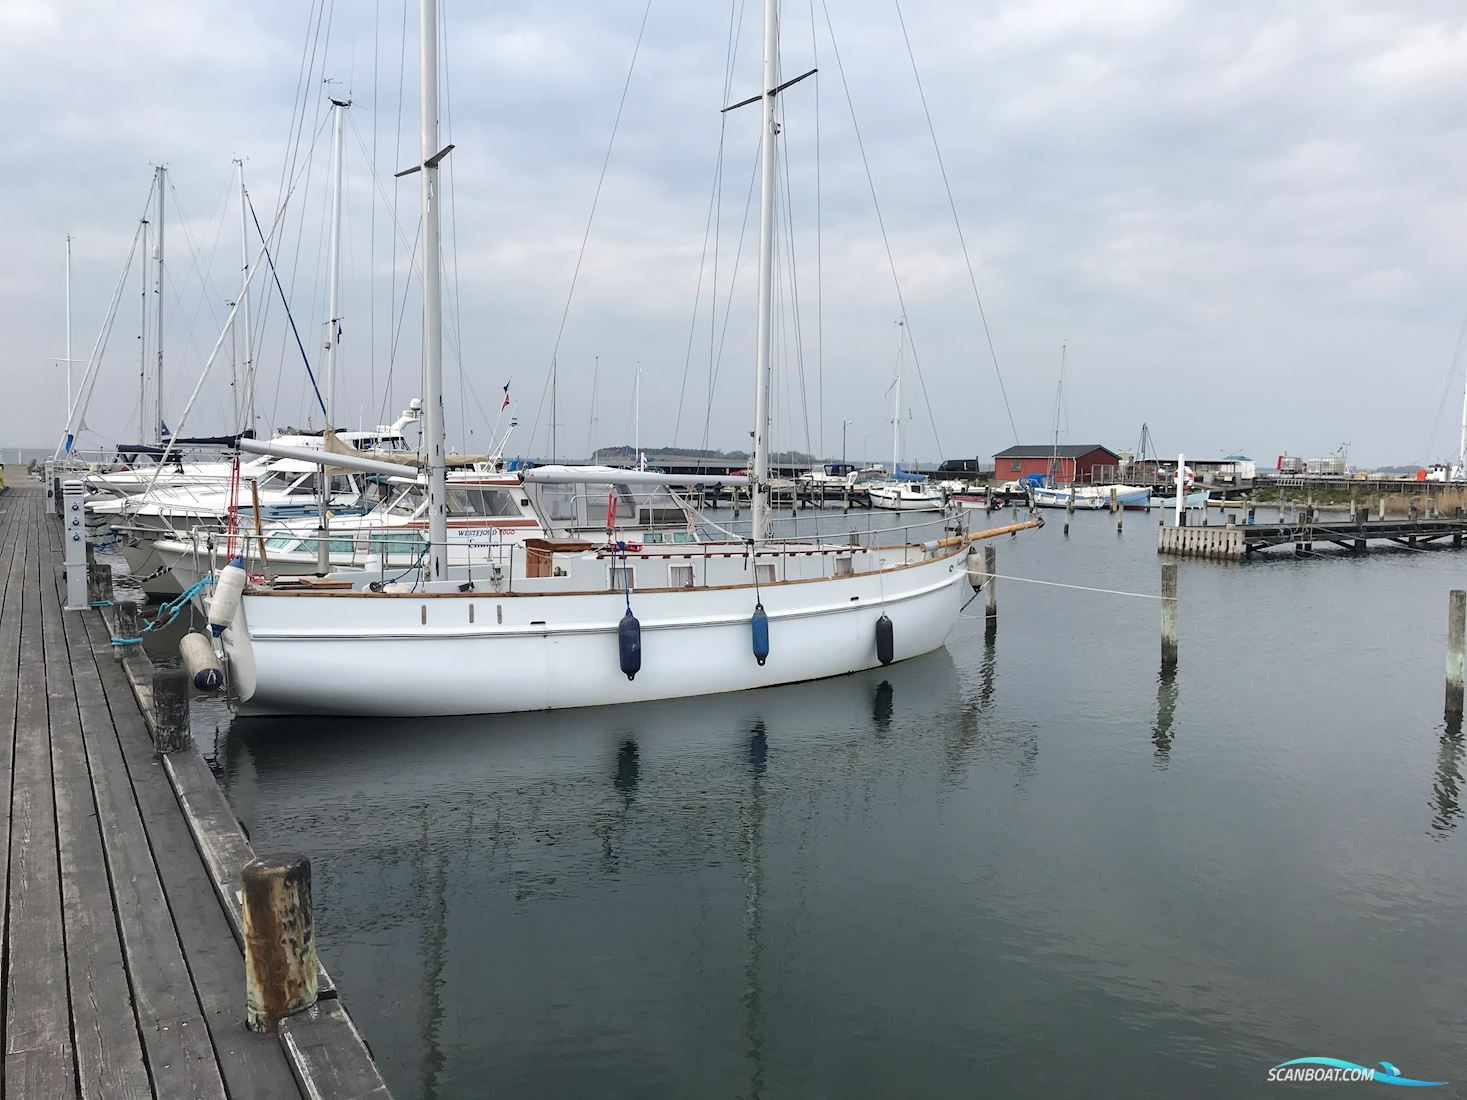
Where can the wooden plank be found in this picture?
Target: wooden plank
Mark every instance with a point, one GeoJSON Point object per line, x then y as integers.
{"type": "Point", "coordinates": [10, 562]}
{"type": "Point", "coordinates": [330, 1055]}
{"type": "Point", "coordinates": [253, 1066]}
{"type": "Point", "coordinates": [38, 1049]}
{"type": "Point", "coordinates": [109, 1054]}
{"type": "Point", "coordinates": [176, 1043]}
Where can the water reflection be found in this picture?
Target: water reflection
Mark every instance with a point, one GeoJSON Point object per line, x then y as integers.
{"type": "Point", "coordinates": [752, 857]}
{"type": "Point", "coordinates": [1446, 791]}
{"type": "Point", "coordinates": [1166, 707]}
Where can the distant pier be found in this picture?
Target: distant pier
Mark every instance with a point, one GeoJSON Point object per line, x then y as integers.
{"type": "Point", "coordinates": [1238, 541]}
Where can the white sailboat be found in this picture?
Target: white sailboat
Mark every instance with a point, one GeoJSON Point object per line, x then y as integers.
{"type": "Point", "coordinates": [903, 492]}
{"type": "Point", "coordinates": [584, 624]}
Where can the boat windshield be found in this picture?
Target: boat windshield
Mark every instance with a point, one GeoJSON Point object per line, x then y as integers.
{"type": "Point", "coordinates": [475, 500]}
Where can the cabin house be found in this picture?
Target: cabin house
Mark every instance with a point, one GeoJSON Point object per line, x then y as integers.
{"type": "Point", "coordinates": [1069, 463]}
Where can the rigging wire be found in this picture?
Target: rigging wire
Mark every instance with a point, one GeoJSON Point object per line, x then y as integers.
{"type": "Point", "coordinates": [715, 213]}
{"type": "Point", "coordinates": [957, 224]}
{"type": "Point", "coordinates": [716, 361]}
{"type": "Point", "coordinates": [372, 212]}
{"type": "Point", "coordinates": [819, 246]}
{"type": "Point", "coordinates": [590, 218]}
{"type": "Point", "coordinates": [1453, 367]}
{"type": "Point", "coordinates": [456, 303]}
{"type": "Point", "coordinates": [396, 194]}
{"type": "Point", "coordinates": [880, 221]}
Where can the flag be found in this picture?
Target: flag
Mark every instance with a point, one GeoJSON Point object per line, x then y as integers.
{"type": "Point", "coordinates": [506, 398]}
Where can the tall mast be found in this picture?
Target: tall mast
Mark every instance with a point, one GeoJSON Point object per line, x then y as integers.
{"type": "Point", "coordinates": [155, 387]}
{"type": "Point", "coordinates": [68, 327]}
{"type": "Point", "coordinates": [143, 343]}
{"type": "Point", "coordinates": [248, 404]}
{"type": "Point", "coordinates": [432, 294]}
{"type": "Point", "coordinates": [333, 320]}
{"type": "Point", "coordinates": [896, 416]}
{"type": "Point", "coordinates": [1462, 449]}
{"type": "Point", "coordinates": [759, 490]}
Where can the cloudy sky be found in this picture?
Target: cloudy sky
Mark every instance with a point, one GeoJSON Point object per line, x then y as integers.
{"type": "Point", "coordinates": [1246, 220]}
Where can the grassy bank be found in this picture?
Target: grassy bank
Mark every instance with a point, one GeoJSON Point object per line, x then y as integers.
{"type": "Point", "coordinates": [1444, 499]}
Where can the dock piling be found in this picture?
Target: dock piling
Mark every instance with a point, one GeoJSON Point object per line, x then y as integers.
{"type": "Point", "coordinates": [171, 731]}
{"type": "Point", "coordinates": [990, 566]}
{"type": "Point", "coordinates": [1456, 637]}
{"type": "Point", "coordinates": [128, 619]}
{"type": "Point", "coordinates": [99, 584]}
{"type": "Point", "coordinates": [279, 940]}
{"type": "Point", "coordinates": [1168, 615]}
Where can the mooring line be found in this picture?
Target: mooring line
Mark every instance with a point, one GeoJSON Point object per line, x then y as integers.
{"type": "Point", "coordinates": [1076, 587]}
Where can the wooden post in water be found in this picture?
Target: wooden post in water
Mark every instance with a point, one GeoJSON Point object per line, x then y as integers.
{"type": "Point", "coordinates": [1169, 615]}
{"type": "Point", "coordinates": [1381, 513]}
{"type": "Point", "coordinates": [128, 621]}
{"type": "Point", "coordinates": [171, 732]}
{"type": "Point", "coordinates": [1456, 638]}
{"type": "Point", "coordinates": [1069, 511]}
{"type": "Point", "coordinates": [1116, 509]}
{"type": "Point", "coordinates": [99, 584]}
{"type": "Point", "coordinates": [990, 566]}
{"type": "Point", "coordinates": [279, 940]}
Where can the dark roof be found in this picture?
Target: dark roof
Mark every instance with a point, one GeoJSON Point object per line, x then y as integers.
{"type": "Point", "coordinates": [1044, 450]}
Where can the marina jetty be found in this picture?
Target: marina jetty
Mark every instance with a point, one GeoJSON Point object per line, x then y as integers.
{"type": "Point", "coordinates": [1356, 533]}
{"type": "Point", "coordinates": [135, 906]}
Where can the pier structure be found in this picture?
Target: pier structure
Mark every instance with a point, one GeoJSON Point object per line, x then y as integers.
{"type": "Point", "coordinates": [120, 874]}
{"type": "Point", "coordinates": [1236, 542]}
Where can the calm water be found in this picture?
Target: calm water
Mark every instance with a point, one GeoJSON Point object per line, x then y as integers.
{"type": "Point", "coordinates": [1022, 865]}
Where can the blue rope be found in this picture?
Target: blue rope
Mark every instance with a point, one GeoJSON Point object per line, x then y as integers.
{"type": "Point", "coordinates": [626, 571]}
{"type": "Point", "coordinates": [171, 609]}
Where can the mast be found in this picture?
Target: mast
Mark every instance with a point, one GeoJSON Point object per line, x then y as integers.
{"type": "Point", "coordinates": [432, 294]}
{"type": "Point", "coordinates": [637, 419]}
{"type": "Point", "coordinates": [896, 416]}
{"type": "Point", "coordinates": [248, 405]}
{"type": "Point", "coordinates": [154, 430]}
{"type": "Point", "coordinates": [68, 327]}
{"type": "Point", "coordinates": [1462, 449]}
{"type": "Point", "coordinates": [762, 526]}
{"type": "Point", "coordinates": [333, 321]}
{"type": "Point", "coordinates": [143, 341]}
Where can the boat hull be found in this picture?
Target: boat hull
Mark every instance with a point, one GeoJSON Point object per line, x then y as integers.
{"type": "Point", "coordinates": [407, 654]}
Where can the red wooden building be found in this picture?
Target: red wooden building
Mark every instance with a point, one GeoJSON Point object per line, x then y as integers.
{"type": "Point", "coordinates": [1069, 463]}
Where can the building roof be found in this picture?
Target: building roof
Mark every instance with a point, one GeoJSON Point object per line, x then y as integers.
{"type": "Point", "coordinates": [1236, 458]}
{"type": "Point", "coordinates": [1044, 450]}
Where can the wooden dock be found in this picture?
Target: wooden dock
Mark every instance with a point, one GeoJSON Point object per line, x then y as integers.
{"type": "Point", "coordinates": [124, 975]}
{"type": "Point", "coordinates": [1237, 541]}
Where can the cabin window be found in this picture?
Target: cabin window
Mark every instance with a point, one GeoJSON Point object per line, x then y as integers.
{"type": "Point", "coordinates": [398, 544]}
{"type": "Point", "coordinates": [622, 577]}
{"type": "Point", "coordinates": [559, 502]}
{"type": "Point", "coordinates": [844, 567]}
{"type": "Point", "coordinates": [764, 574]}
{"type": "Point", "coordinates": [280, 542]}
{"type": "Point", "coordinates": [474, 501]}
{"type": "Point", "coordinates": [306, 486]}
{"type": "Point", "coordinates": [680, 576]}
{"type": "Point", "coordinates": [336, 546]}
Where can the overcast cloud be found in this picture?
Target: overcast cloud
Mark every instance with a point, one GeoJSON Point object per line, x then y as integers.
{"type": "Point", "coordinates": [1246, 219]}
